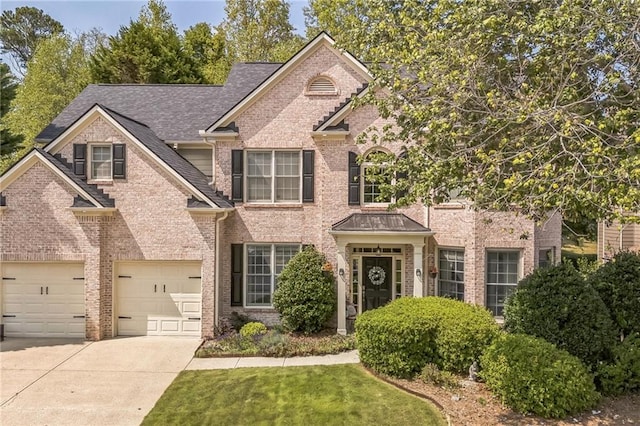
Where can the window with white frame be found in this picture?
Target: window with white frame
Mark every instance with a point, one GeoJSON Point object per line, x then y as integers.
{"type": "Point", "coordinates": [274, 176]}
{"type": "Point", "coordinates": [502, 278]}
{"type": "Point", "coordinates": [373, 179]}
{"type": "Point", "coordinates": [546, 258]}
{"type": "Point", "coordinates": [451, 274]}
{"type": "Point", "coordinates": [264, 264]}
{"type": "Point", "coordinates": [101, 162]}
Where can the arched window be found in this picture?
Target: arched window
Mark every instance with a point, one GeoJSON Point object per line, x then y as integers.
{"type": "Point", "coordinates": [321, 85]}
{"type": "Point", "coordinates": [373, 177]}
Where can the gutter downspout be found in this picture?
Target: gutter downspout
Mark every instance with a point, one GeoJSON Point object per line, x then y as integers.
{"type": "Point", "coordinates": [216, 301]}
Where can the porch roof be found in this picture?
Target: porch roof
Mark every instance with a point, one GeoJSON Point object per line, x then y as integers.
{"type": "Point", "coordinates": [367, 223]}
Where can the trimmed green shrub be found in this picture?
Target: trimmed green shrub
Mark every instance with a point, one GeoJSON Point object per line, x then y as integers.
{"type": "Point", "coordinates": [618, 283]}
{"type": "Point", "coordinates": [251, 329]}
{"type": "Point", "coordinates": [557, 304]}
{"type": "Point", "coordinates": [400, 338]}
{"type": "Point", "coordinates": [305, 297]}
{"type": "Point", "coordinates": [623, 374]}
{"type": "Point", "coordinates": [531, 375]}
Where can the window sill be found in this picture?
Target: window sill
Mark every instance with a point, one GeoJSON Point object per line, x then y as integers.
{"type": "Point", "coordinates": [449, 206]}
{"type": "Point", "coordinates": [273, 205]}
{"type": "Point", "coordinates": [375, 207]}
{"type": "Point", "coordinates": [108, 182]}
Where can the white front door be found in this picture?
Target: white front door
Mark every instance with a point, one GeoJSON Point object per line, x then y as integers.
{"type": "Point", "coordinates": [43, 300]}
{"type": "Point", "coordinates": [158, 298]}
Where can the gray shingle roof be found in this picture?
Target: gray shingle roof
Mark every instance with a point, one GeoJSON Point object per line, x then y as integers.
{"type": "Point", "coordinates": [65, 168]}
{"type": "Point", "coordinates": [175, 112]}
{"type": "Point", "coordinates": [378, 222]}
{"type": "Point", "coordinates": [170, 157]}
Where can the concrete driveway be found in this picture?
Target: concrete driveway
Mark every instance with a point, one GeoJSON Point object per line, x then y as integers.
{"type": "Point", "coordinates": [71, 382]}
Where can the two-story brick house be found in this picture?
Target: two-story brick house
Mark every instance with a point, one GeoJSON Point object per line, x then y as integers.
{"type": "Point", "coordinates": [158, 209]}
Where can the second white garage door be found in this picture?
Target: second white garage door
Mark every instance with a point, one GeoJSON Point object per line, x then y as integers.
{"type": "Point", "coordinates": [158, 298]}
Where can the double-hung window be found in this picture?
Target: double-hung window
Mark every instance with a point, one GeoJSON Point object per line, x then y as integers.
{"type": "Point", "coordinates": [274, 176]}
{"type": "Point", "coordinates": [101, 162]}
{"type": "Point", "coordinates": [502, 278]}
{"type": "Point", "coordinates": [451, 275]}
{"type": "Point", "coordinates": [374, 178]}
{"type": "Point", "coordinates": [264, 263]}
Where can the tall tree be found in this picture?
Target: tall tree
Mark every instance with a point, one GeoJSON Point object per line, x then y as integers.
{"type": "Point", "coordinates": [56, 73]}
{"type": "Point", "coordinates": [341, 19]}
{"type": "Point", "coordinates": [209, 52]}
{"type": "Point", "coordinates": [534, 105]}
{"type": "Point", "coordinates": [259, 30]}
{"type": "Point", "coordinates": [8, 141]}
{"type": "Point", "coordinates": [149, 50]}
{"type": "Point", "coordinates": [22, 30]}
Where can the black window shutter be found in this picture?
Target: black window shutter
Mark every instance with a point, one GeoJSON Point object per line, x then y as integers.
{"type": "Point", "coordinates": [354, 179]}
{"type": "Point", "coordinates": [307, 176]}
{"type": "Point", "coordinates": [80, 159]}
{"type": "Point", "coordinates": [237, 257]}
{"type": "Point", "coordinates": [237, 169]}
{"type": "Point", "coordinates": [401, 176]}
{"type": "Point", "coordinates": [119, 161]}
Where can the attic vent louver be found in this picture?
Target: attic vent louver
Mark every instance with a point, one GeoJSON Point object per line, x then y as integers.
{"type": "Point", "coordinates": [322, 86]}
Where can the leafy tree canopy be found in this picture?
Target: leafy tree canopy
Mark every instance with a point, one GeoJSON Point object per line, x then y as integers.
{"type": "Point", "coordinates": [209, 52]}
{"type": "Point", "coordinates": [56, 73]}
{"type": "Point", "coordinates": [8, 86]}
{"type": "Point", "coordinates": [149, 50]}
{"type": "Point", "coordinates": [259, 30]}
{"type": "Point", "coordinates": [532, 105]}
{"type": "Point", "coordinates": [22, 30]}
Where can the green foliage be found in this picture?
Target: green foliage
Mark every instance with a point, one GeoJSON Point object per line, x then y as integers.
{"type": "Point", "coordinates": [149, 50]}
{"type": "Point", "coordinates": [401, 337]}
{"type": "Point", "coordinates": [540, 98]}
{"type": "Point", "coordinates": [618, 283]}
{"type": "Point", "coordinates": [305, 296]}
{"type": "Point", "coordinates": [22, 30]}
{"type": "Point", "coordinates": [8, 85]}
{"type": "Point", "coordinates": [623, 374]}
{"type": "Point", "coordinates": [340, 19]}
{"type": "Point", "coordinates": [208, 52]}
{"type": "Point", "coordinates": [239, 320]}
{"type": "Point", "coordinates": [56, 74]}
{"type": "Point", "coordinates": [251, 329]}
{"type": "Point", "coordinates": [431, 374]}
{"type": "Point", "coordinates": [531, 375]}
{"type": "Point", "coordinates": [557, 305]}
{"type": "Point", "coordinates": [259, 30]}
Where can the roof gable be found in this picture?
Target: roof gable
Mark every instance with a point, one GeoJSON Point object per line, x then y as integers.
{"type": "Point", "coordinates": [323, 39]}
{"type": "Point", "coordinates": [90, 194]}
{"type": "Point", "coordinates": [140, 134]}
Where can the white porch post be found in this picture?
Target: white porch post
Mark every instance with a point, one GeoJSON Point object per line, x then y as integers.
{"type": "Point", "coordinates": [342, 290]}
{"type": "Point", "coordinates": [418, 287]}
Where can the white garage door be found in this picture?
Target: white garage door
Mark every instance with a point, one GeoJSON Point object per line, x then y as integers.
{"type": "Point", "coordinates": [158, 298]}
{"type": "Point", "coordinates": [43, 299]}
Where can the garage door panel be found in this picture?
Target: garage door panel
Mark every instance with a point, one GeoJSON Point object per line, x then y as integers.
{"type": "Point", "coordinates": [153, 294]}
{"type": "Point", "coordinates": [43, 299]}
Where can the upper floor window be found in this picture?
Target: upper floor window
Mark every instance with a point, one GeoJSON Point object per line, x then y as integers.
{"type": "Point", "coordinates": [275, 176]}
{"type": "Point", "coordinates": [321, 86]}
{"type": "Point", "coordinates": [101, 162]}
{"type": "Point", "coordinates": [374, 179]}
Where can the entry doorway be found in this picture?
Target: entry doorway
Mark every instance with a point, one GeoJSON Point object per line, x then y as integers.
{"type": "Point", "coordinates": [377, 281]}
{"type": "Point", "coordinates": [376, 276]}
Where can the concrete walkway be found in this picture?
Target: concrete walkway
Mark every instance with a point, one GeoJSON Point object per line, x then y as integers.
{"type": "Point", "coordinates": [350, 357]}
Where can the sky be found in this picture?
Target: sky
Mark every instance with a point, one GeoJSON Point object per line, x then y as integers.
{"type": "Point", "coordinates": [82, 15]}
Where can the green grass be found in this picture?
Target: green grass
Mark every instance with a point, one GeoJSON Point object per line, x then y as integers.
{"type": "Point", "coordinates": [317, 395]}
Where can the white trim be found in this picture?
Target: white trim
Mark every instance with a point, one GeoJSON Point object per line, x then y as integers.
{"type": "Point", "coordinates": [56, 145]}
{"type": "Point", "coordinates": [342, 113]}
{"type": "Point", "coordinates": [320, 40]}
{"type": "Point", "coordinates": [91, 146]}
{"type": "Point", "coordinates": [245, 177]}
{"type": "Point", "coordinates": [28, 161]}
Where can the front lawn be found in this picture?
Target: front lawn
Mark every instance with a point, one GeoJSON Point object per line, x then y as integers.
{"type": "Point", "coordinates": [317, 395]}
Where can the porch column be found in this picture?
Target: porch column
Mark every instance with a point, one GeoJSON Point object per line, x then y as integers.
{"type": "Point", "coordinates": [342, 290]}
{"type": "Point", "coordinates": [418, 288]}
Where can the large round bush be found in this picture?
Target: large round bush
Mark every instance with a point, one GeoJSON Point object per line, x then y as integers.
{"type": "Point", "coordinates": [557, 304]}
{"type": "Point", "coordinates": [305, 297]}
{"type": "Point", "coordinates": [622, 375]}
{"type": "Point", "coordinates": [400, 338]}
{"type": "Point", "coordinates": [531, 375]}
{"type": "Point", "coordinates": [618, 283]}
